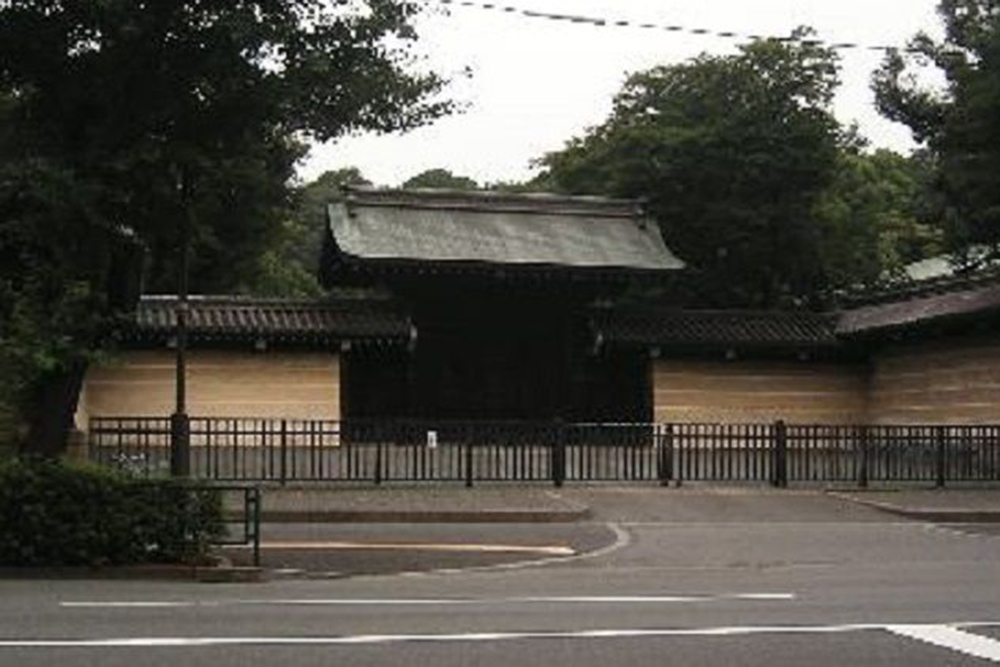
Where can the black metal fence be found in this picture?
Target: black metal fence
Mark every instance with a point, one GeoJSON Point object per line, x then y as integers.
{"type": "Point", "coordinates": [287, 450]}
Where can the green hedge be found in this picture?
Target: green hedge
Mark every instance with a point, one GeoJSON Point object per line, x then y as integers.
{"type": "Point", "coordinates": [54, 513]}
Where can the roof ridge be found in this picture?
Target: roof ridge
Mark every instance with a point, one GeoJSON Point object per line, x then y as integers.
{"type": "Point", "coordinates": [949, 284]}
{"type": "Point", "coordinates": [737, 312]}
{"type": "Point", "coordinates": [361, 192]}
{"type": "Point", "coordinates": [258, 302]}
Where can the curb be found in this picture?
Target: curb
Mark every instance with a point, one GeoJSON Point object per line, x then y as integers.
{"type": "Point", "coordinates": [201, 574]}
{"type": "Point", "coordinates": [928, 514]}
{"type": "Point", "coordinates": [419, 516]}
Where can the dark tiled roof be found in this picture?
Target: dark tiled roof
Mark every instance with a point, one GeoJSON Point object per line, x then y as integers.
{"type": "Point", "coordinates": [919, 310]}
{"type": "Point", "coordinates": [716, 328]}
{"type": "Point", "coordinates": [228, 317]}
{"type": "Point", "coordinates": [524, 230]}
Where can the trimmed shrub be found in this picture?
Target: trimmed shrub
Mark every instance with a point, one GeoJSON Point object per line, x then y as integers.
{"type": "Point", "coordinates": [54, 513]}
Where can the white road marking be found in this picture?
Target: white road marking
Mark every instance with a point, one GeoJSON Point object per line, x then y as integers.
{"type": "Point", "coordinates": [402, 546]}
{"type": "Point", "coordinates": [137, 604]}
{"type": "Point", "coordinates": [622, 540]}
{"type": "Point", "coordinates": [950, 637]}
{"type": "Point", "coordinates": [573, 599]}
{"type": "Point", "coordinates": [917, 631]}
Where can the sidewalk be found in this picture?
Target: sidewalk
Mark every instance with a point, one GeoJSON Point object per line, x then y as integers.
{"type": "Point", "coordinates": [414, 504]}
{"type": "Point", "coordinates": [544, 504]}
{"type": "Point", "coordinates": [933, 505]}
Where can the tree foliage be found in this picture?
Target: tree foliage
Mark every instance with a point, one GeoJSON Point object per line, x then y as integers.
{"type": "Point", "coordinates": [959, 124]}
{"type": "Point", "coordinates": [440, 179]}
{"type": "Point", "coordinates": [120, 119]}
{"type": "Point", "coordinates": [290, 267]}
{"type": "Point", "coordinates": [731, 153]}
{"type": "Point", "coordinates": [875, 218]}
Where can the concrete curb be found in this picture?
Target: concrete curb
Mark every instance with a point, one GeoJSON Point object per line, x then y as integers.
{"type": "Point", "coordinates": [419, 516]}
{"type": "Point", "coordinates": [928, 514]}
{"type": "Point", "coordinates": [206, 574]}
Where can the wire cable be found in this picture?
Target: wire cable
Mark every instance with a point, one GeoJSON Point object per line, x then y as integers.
{"type": "Point", "coordinates": [604, 22]}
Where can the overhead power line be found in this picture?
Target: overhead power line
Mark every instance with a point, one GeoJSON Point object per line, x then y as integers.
{"type": "Point", "coordinates": [621, 23]}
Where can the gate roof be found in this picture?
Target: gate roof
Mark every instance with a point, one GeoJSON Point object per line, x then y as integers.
{"type": "Point", "coordinates": [450, 228]}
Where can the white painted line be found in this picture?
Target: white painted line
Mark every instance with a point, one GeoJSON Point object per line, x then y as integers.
{"type": "Point", "coordinates": [622, 540]}
{"type": "Point", "coordinates": [396, 546]}
{"type": "Point", "coordinates": [129, 604]}
{"type": "Point", "coordinates": [950, 637]}
{"type": "Point", "coordinates": [762, 596]}
{"type": "Point", "coordinates": [141, 604]}
{"type": "Point", "coordinates": [726, 631]}
{"type": "Point", "coordinates": [574, 599]}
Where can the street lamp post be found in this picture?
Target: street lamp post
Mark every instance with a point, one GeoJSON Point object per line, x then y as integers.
{"type": "Point", "coordinates": [180, 424]}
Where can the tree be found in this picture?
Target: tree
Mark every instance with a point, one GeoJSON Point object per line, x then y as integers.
{"type": "Point", "coordinates": [290, 267]}
{"type": "Point", "coordinates": [731, 153]}
{"type": "Point", "coordinates": [122, 120]}
{"type": "Point", "coordinates": [875, 218]}
{"type": "Point", "coordinates": [960, 125]}
{"type": "Point", "coordinates": [441, 179]}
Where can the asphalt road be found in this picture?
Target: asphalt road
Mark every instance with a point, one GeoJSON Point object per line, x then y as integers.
{"type": "Point", "coordinates": [693, 579]}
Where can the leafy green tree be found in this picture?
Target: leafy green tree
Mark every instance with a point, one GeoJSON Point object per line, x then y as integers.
{"type": "Point", "coordinates": [441, 179]}
{"type": "Point", "coordinates": [290, 267]}
{"type": "Point", "coordinates": [731, 153]}
{"type": "Point", "coordinates": [122, 120]}
{"type": "Point", "coordinates": [959, 124]}
{"type": "Point", "coordinates": [875, 218]}
{"type": "Point", "coordinates": [530, 185]}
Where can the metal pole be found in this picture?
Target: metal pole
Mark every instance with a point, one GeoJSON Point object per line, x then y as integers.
{"type": "Point", "coordinates": [667, 455]}
{"type": "Point", "coordinates": [780, 454]}
{"type": "Point", "coordinates": [180, 425]}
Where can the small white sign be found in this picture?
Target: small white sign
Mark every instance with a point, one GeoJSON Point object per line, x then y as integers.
{"type": "Point", "coordinates": [432, 439]}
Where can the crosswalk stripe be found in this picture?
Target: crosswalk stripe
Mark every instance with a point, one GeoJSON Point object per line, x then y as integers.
{"type": "Point", "coordinates": [950, 637]}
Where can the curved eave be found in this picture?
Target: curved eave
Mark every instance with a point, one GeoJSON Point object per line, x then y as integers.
{"type": "Point", "coordinates": [504, 271]}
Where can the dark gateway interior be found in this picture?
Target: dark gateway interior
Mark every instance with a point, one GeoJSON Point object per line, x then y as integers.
{"type": "Point", "coordinates": [499, 290]}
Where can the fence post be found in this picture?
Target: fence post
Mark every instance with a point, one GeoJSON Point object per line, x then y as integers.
{"type": "Point", "coordinates": [378, 461]}
{"type": "Point", "coordinates": [863, 452]}
{"type": "Point", "coordinates": [680, 446]}
{"type": "Point", "coordinates": [942, 456]}
{"type": "Point", "coordinates": [468, 463]}
{"type": "Point", "coordinates": [666, 455]}
{"type": "Point", "coordinates": [780, 455]}
{"type": "Point", "coordinates": [558, 457]}
{"type": "Point", "coordinates": [284, 451]}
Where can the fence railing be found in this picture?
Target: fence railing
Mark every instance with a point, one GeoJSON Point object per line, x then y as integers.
{"type": "Point", "coordinates": [288, 450]}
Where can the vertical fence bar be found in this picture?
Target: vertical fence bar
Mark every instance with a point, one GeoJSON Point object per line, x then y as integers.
{"type": "Point", "coordinates": [941, 458]}
{"type": "Point", "coordinates": [862, 443]}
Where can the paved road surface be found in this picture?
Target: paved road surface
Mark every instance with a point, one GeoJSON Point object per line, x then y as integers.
{"type": "Point", "coordinates": [710, 578]}
{"type": "Point", "coordinates": [335, 550]}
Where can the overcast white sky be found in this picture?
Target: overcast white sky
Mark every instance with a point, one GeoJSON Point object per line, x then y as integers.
{"type": "Point", "coordinates": [537, 83]}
